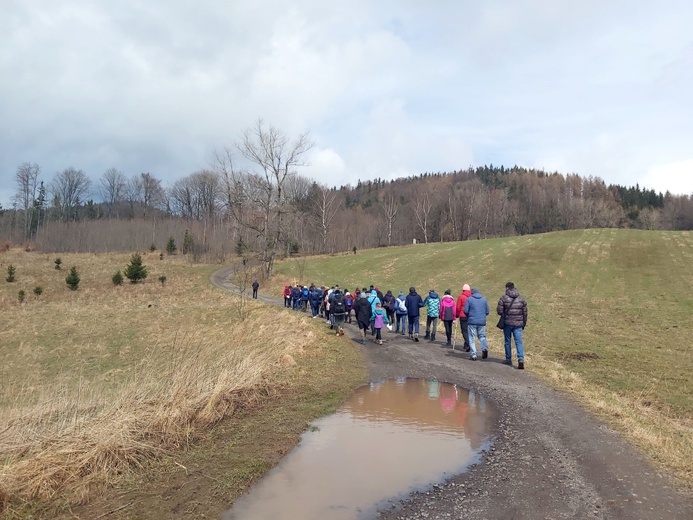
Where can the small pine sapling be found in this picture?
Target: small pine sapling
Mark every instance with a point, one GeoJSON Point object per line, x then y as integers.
{"type": "Point", "coordinates": [152, 248]}
{"type": "Point", "coordinates": [11, 270]}
{"type": "Point", "coordinates": [162, 279]}
{"type": "Point", "coordinates": [72, 279]}
{"type": "Point", "coordinates": [38, 291]}
{"type": "Point", "coordinates": [161, 256]}
{"type": "Point", "coordinates": [135, 271]}
{"type": "Point", "coordinates": [117, 278]}
{"type": "Point", "coordinates": [57, 262]}
{"type": "Point", "coordinates": [188, 243]}
{"type": "Point", "coordinates": [171, 246]}
{"type": "Point", "coordinates": [20, 296]}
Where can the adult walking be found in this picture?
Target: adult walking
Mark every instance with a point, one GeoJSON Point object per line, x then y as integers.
{"type": "Point", "coordinates": [512, 307]}
{"type": "Point", "coordinates": [256, 286]}
{"type": "Point", "coordinates": [476, 309]}
{"type": "Point", "coordinates": [401, 313]}
{"type": "Point", "coordinates": [413, 303]}
{"type": "Point", "coordinates": [432, 304]}
{"type": "Point", "coordinates": [447, 314]}
{"type": "Point", "coordinates": [389, 305]}
{"type": "Point", "coordinates": [362, 310]}
{"type": "Point", "coordinates": [459, 310]}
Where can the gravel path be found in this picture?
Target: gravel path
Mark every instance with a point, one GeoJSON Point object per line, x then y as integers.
{"type": "Point", "coordinates": [550, 459]}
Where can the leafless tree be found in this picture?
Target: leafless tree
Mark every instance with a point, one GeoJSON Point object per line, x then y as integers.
{"type": "Point", "coordinates": [323, 211]}
{"type": "Point", "coordinates": [27, 186]}
{"type": "Point", "coordinates": [276, 158]}
{"type": "Point", "coordinates": [112, 186]}
{"type": "Point", "coordinates": [153, 194]}
{"type": "Point", "coordinates": [133, 192]}
{"type": "Point", "coordinates": [69, 187]}
{"type": "Point", "coordinates": [390, 207]}
{"type": "Point", "coordinates": [422, 209]}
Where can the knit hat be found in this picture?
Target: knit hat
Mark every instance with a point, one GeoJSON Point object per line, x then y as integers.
{"type": "Point", "coordinates": [466, 287]}
{"type": "Point", "coordinates": [448, 291]}
{"type": "Point", "coordinates": [400, 295]}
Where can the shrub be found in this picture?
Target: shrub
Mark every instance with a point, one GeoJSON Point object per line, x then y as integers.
{"type": "Point", "coordinates": [162, 279]}
{"type": "Point", "coordinates": [188, 243]}
{"type": "Point", "coordinates": [72, 279]}
{"type": "Point", "coordinates": [10, 273]}
{"type": "Point", "coordinates": [20, 296]}
{"type": "Point", "coordinates": [161, 256]}
{"type": "Point", "coordinates": [152, 248]}
{"type": "Point", "coordinates": [57, 262]}
{"type": "Point", "coordinates": [117, 278]}
{"type": "Point", "coordinates": [135, 271]}
{"type": "Point", "coordinates": [38, 291]}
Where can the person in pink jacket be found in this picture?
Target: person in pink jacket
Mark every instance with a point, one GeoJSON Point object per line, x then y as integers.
{"type": "Point", "coordinates": [448, 314]}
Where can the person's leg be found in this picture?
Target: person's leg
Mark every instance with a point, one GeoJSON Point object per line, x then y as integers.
{"type": "Point", "coordinates": [482, 340]}
{"type": "Point", "coordinates": [517, 333]}
{"type": "Point", "coordinates": [434, 326]}
{"type": "Point", "coordinates": [465, 333]}
{"type": "Point", "coordinates": [472, 340]}
{"type": "Point", "coordinates": [378, 336]}
{"type": "Point", "coordinates": [428, 327]}
{"type": "Point", "coordinates": [507, 330]}
{"type": "Point", "coordinates": [448, 330]}
{"type": "Point", "coordinates": [410, 320]}
{"type": "Point", "coordinates": [415, 319]}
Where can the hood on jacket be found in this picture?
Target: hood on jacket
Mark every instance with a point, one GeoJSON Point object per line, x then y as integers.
{"type": "Point", "coordinates": [476, 293]}
{"type": "Point", "coordinates": [412, 290]}
{"type": "Point", "coordinates": [448, 297]}
{"type": "Point", "coordinates": [388, 293]}
{"type": "Point", "coordinates": [512, 293]}
{"type": "Point", "coordinates": [401, 295]}
{"type": "Point", "coordinates": [374, 293]}
{"type": "Point", "coordinates": [433, 294]}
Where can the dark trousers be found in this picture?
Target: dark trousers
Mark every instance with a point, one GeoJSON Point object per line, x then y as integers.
{"type": "Point", "coordinates": [464, 328]}
{"type": "Point", "coordinates": [448, 329]}
{"type": "Point", "coordinates": [255, 293]}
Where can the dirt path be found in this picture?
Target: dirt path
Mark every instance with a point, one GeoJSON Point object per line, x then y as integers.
{"type": "Point", "coordinates": [550, 458]}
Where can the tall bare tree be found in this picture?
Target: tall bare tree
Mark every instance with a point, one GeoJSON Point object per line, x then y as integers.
{"type": "Point", "coordinates": [276, 158]}
{"type": "Point", "coordinates": [26, 177]}
{"type": "Point", "coordinates": [69, 187]}
{"type": "Point", "coordinates": [153, 194]}
{"type": "Point", "coordinates": [422, 209]}
{"type": "Point", "coordinates": [390, 208]}
{"type": "Point", "coordinates": [323, 211]}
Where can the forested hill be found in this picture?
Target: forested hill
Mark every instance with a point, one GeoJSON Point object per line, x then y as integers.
{"type": "Point", "coordinates": [227, 211]}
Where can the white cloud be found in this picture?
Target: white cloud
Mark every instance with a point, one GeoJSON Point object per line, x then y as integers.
{"type": "Point", "coordinates": [676, 177]}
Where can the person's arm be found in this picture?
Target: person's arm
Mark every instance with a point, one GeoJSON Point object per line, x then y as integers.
{"type": "Point", "coordinates": [501, 307]}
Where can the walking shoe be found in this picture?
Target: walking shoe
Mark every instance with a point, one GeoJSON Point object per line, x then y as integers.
{"type": "Point", "coordinates": [380, 342]}
{"type": "Point", "coordinates": [433, 337]}
{"type": "Point", "coordinates": [507, 362]}
{"type": "Point", "coordinates": [411, 337]}
{"type": "Point", "coordinates": [521, 365]}
{"type": "Point", "coordinates": [362, 341]}
{"type": "Point", "coordinates": [427, 335]}
{"type": "Point", "coordinates": [467, 349]}
{"type": "Point", "coordinates": [484, 354]}
{"type": "Point", "coordinates": [472, 357]}
{"type": "Point", "coordinates": [448, 344]}
{"type": "Point", "coordinates": [416, 338]}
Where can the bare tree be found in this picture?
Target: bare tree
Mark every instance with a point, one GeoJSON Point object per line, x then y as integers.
{"type": "Point", "coordinates": [27, 185]}
{"type": "Point", "coordinates": [390, 207]}
{"type": "Point", "coordinates": [69, 187]}
{"type": "Point", "coordinates": [323, 211]}
{"type": "Point", "coordinates": [153, 194]}
{"type": "Point", "coordinates": [277, 158]}
{"type": "Point", "coordinates": [422, 209]}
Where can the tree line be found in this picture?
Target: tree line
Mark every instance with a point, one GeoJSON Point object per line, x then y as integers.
{"type": "Point", "coordinates": [269, 210]}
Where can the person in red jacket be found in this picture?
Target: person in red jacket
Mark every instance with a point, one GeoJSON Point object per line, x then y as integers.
{"type": "Point", "coordinates": [459, 310]}
{"type": "Point", "coordinates": [287, 296]}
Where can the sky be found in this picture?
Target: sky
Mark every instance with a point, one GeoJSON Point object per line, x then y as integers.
{"type": "Point", "coordinates": [386, 89]}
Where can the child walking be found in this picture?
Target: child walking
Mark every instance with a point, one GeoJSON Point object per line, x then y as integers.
{"type": "Point", "coordinates": [379, 319]}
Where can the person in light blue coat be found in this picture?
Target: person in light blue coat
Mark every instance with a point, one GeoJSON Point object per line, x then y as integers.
{"type": "Point", "coordinates": [401, 313]}
{"type": "Point", "coordinates": [476, 309]}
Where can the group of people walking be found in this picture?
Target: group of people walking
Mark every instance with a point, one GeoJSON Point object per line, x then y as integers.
{"type": "Point", "coordinates": [373, 311]}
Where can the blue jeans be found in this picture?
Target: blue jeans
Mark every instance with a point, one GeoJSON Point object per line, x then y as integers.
{"type": "Point", "coordinates": [474, 332]}
{"type": "Point", "coordinates": [413, 324]}
{"type": "Point", "coordinates": [516, 332]}
{"type": "Point", "coordinates": [401, 323]}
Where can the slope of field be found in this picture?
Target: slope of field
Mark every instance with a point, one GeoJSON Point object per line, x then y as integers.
{"type": "Point", "coordinates": [609, 315]}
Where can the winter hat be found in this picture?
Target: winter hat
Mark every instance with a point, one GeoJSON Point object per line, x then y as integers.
{"type": "Point", "coordinates": [400, 295]}
{"type": "Point", "coordinates": [509, 285]}
{"type": "Point", "coordinates": [466, 287]}
{"type": "Point", "coordinates": [448, 292]}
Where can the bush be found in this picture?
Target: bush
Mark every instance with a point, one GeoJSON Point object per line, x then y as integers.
{"type": "Point", "coordinates": [72, 279]}
{"type": "Point", "coordinates": [20, 296]}
{"type": "Point", "coordinates": [135, 271]}
{"type": "Point", "coordinates": [117, 278]}
{"type": "Point", "coordinates": [10, 273]}
{"type": "Point", "coordinates": [38, 291]}
{"type": "Point", "coordinates": [161, 256]}
{"type": "Point", "coordinates": [162, 279]}
{"type": "Point", "coordinates": [188, 243]}
{"type": "Point", "coordinates": [57, 262]}
{"type": "Point", "coordinates": [152, 248]}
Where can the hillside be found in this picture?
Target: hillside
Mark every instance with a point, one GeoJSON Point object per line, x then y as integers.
{"type": "Point", "coordinates": [609, 310]}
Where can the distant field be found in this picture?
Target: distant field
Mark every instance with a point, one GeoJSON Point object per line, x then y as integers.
{"type": "Point", "coordinates": [610, 315]}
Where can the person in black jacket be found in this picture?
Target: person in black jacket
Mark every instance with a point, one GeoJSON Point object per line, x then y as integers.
{"type": "Point", "coordinates": [256, 286]}
{"type": "Point", "coordinates": [513, 308]}
{"type": "Point", "coordinates": [362, 309]}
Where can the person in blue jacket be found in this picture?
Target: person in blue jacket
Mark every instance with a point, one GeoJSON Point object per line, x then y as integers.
{"type": "Point", "coordinates": [413, 303]}
{"type": "Point", "coordinates": [401, 313]}
{"type": "Point", "coordinates": [476, 309]}
{"type": "Point", "coordinates": [305, 296]}
{"type": "Point", "coordinates": [315, 299]}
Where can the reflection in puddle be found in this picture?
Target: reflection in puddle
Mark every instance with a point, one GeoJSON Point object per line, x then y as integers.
{"type": "Point", "coordinates": [390, 438]}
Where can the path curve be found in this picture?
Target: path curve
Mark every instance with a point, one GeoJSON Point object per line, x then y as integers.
{"type": "Point", "coordinates": [550, 459]}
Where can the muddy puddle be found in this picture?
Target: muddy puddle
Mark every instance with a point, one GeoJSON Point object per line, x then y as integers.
{"type": "Point", "coordinates": [391, 438]}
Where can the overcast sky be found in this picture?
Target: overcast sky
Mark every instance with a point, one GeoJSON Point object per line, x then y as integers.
{"type": "Point", "coordinates": [386, 88]}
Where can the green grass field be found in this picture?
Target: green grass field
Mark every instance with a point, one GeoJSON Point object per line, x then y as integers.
{"type": "Point", "coordinates": [609, 310]}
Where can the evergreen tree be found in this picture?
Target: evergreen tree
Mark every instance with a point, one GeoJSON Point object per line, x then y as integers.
{"type": "Point", "coordinates": [162, 279]}
{"type": "Point", "coordinates": [20, 296]}
{"type": "Point", "coordinates": [117, 278]}
{"type": "Point", "coordinates": [188, 243]}
{"type": "Point", "coordinates": [135, 271]}
{"type": "Point", "coordinates": [57, 262]}
{"type": "Point", "coordinates": [171, 246]}
{"type": "Point", "coordinates": [10, 273]}
{"type": "Point", "coordinates": [72, 279]}
{"type": "Point", "coordinates": [38, 291]}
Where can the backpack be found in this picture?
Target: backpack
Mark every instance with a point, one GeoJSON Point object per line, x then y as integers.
{"type": "Point", "coordinates": [338, 305]}
{"type": "Point", "coordinates": [402, 306]}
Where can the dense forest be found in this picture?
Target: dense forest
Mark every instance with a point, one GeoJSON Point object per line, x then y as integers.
{"type": "Point", "coordinates": [272, 210]}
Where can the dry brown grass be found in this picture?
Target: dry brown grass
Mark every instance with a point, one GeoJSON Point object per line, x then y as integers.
{"type": "Point", "coordinates": [106, 378]}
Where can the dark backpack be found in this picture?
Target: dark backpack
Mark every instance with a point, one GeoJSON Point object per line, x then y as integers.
{"type": "Point", "coordinates": [338, 304]}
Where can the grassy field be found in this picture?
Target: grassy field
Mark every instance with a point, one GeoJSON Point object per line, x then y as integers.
{"type": "Point", "coordinates": [102, 380]}
{"type": "Point", "coordinates": [609, 316]}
